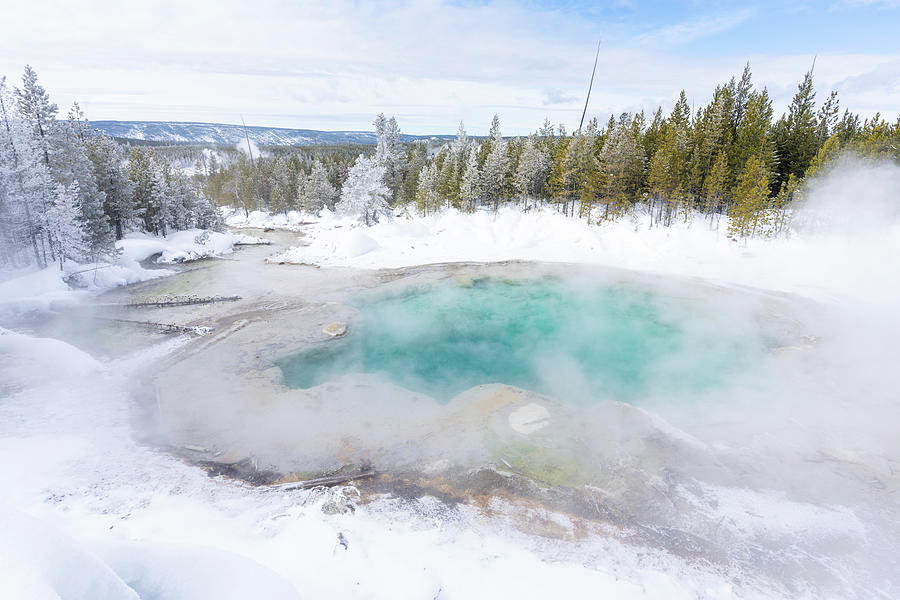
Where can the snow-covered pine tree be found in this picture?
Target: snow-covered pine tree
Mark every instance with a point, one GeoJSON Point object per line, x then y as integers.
{"type": "Point", "coordinates": [470, 185]}
{"type": "Point", "coordinates": [448, 181]}
{"type": "Point", "coordinates": [181, 202]}
{"type": "Point", "coordinates": [25, 187]}
{"type": "Point", "coordinates": [461, 143]}
{"type": "Point", "coordinates": [111, 175]}
{"type": "Point", "coordinates": [364, 193]}
{"type": "Point", "coordinates": [70, 164]}
{"type": "Point", "coordinates": [158, 210]}
{"type": "Point", "coordinates": [427, 199]}
{"type": "Point", "coordinates": [315, 191]}
{"type": "Point", "coordinates": [65, 226]}
{"type": "Point", "coordinates": [35, 107]}
{"type": "Point", "coordinates": [533, 166]}
{"type": "Point", "coordinates": [496, 165]}
{"type": "Point", "coordinates": [389, 154]}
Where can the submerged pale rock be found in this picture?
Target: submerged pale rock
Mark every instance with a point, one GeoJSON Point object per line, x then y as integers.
{"type": "Point", "coordinates": [335, 329]}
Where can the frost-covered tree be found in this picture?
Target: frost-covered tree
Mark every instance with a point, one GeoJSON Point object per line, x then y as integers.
{"type": "Point", "coordinates": [461, 143]}
{"type": "Point", "coordinates": [25, 187]}
{"type": "Point", "coordinates": [65, 226]}
{"type": "Point", "coordinates": [470, 185]}
{"type": "Point", "coordinates": [111, 174]}
{"type": "Point", "coordinates": [72, 165]}
{"type": "Point", "coordinates": [532, 171]}
{"type": "Point", "coordinates": [364, 193]}
{"type": "Point", "coordinates": [390, 155]}
{"type": "Point", "coordinates": [621, 165]}
{"type": "Point", "coordinates": [448, 180]}
{"type": "Point", "coordinates": [496, 165]}
{"type": "Point", "coordinates": [283, 192]}
{"type": "Point", "coordinates": [315, 191]}
{"type": "Point", "coordinates": [35, 107]}
{"type": "Point", "coordinates": [427, 198]}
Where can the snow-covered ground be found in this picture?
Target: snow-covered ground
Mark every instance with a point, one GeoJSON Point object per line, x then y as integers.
{"type": "Point", "coordinates": [834, 251]}
{"type": "Point", "coordinates": [88, 513]}
{"type": "Point", "coordinates": [47, 288]}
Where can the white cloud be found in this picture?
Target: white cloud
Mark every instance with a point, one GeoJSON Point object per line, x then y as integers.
{"type": "Point", "coordinates": [334, 65]}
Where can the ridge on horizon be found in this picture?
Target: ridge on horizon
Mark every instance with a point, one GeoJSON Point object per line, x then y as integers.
{"type": "Point", "coordinates": [226, 133]}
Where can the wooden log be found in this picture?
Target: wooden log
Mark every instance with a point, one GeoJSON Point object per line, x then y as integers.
{"type": "Point", "coordinates": [321, 481]}
{"type": "Point", "coordinates": [164, 327]}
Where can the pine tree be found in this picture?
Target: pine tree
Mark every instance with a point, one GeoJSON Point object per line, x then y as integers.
{"type": "Point", "coordinates": [448, 181]}
{"type": "Point", "coordinates": [749, 213]}
{"type": "Point", "coordinates": [65, 226]}
{"type": "Point", "coordinates": [25, 185]}
{"type": "Point", "coordinates": [390, 155]}
{"type": "Point", "coordinates": [715, 187]}
{"type": "Point", "coordinates": [496, 165]}
{"type": "Point", "coordinates": [35, 107]}
{"type": "Point", "coordinates": [364, 193]}
{"type": "Point", "coordinates": [532, 170]}
{"type": "Point", "coordinates": [796, 141]}
{"type": "Point", "coordinates": [827, 119]}
{"type": "Point", "coordinates": [111, 175]}
{"type": "Point", "coordinates": [461, 143]}
{"type": "Point", "coordinates": [470, 185]}
{"type": "Point", "coordinates": [753, 133]}
{"type": "Point", "coordinates": [417, 155]}
{"type": "Point", "coordinates": [316, 191]}
{"type": "Point", "coordinates": [621, 163]}
{"type": "Point", "coordinates": [72, 165]}
{"type": "Point", "coordinates": [427, 198]}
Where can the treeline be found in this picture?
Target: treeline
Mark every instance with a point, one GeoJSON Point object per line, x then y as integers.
{"type": "Point", "coordinates": [68, 192]}
{"type": "Point", "coordinates": [284, 178]}
{"type": "Point", "coordinates": [729, 157]}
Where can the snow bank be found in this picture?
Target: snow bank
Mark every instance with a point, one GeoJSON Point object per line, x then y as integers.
{"type": "Point", "coordinates": [262, 220]}
{"type": "Point", "coordinates": [27, 360]}
{"type": "Point", "coordinates": [181, 246]}
{"type": "Point", "coordinates": [37, 290]}
{"type": "Point", "coordinates": [47, 288]}
{"type": "Point", "coordinates": [184, 572]}
{"type": "Point", "coordinates": [37, 561]}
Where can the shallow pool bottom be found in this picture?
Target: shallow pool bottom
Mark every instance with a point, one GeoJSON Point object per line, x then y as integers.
{"type": "Point", "coordinates": [573, 339]}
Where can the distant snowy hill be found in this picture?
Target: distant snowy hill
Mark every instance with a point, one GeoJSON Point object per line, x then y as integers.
{"type": "Point", "coordinates": [218, 133]}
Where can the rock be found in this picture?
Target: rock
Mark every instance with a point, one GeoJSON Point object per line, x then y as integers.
{"type": "Point", "coordinates": [463, 280]}
{"type": "Point", "coordinates": [335, 329]}
{"type": "Point", "coordinates": [529, 418]}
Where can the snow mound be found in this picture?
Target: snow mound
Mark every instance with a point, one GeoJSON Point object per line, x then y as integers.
{"type": "Point", "coordinates": [37, 290]}
{"type": "Point", "coordinates": [186, 572]}
{"type": "Point", "coordinates": [191, 244]}
{"type": "Point", "coordinates": [358, 243]}
{"type": "Point", "coordinates": [37, 561]}
{"type": "Point", "coordinates": [258, 219]}
{"type": "Point", "coordinates": [28, 359]}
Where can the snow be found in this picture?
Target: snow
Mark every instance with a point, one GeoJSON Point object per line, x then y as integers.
{"type": "Point", "coordinates": [259, 219]}
{"type": "Point", "coordinates": [819, 265]}
{"type": "Point", "coordinates": [88, 512]}
{"type": "Point", "coordinates": [94, 514]}
{"type": "Point", "coordinates": [191, 244]}
{"type": "Point", "coordinates": [46, 289]}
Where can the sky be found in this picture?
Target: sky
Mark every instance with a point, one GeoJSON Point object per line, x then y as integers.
{"type": "Point", "coordinates": [431, 63]}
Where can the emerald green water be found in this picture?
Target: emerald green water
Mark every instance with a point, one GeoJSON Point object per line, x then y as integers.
{"type": "Point", "coordinates": [573, 341]}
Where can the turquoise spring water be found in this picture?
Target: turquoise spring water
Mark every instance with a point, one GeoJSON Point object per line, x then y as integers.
{"type": "Point", "coordinates": [577, 342]}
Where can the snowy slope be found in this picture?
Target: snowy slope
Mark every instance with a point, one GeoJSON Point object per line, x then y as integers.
{"type": "Point", "coordinates": [218, 133]}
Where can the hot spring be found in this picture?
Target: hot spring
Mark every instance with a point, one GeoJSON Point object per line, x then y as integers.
{"type": "Point", "coordinates": [572, 339]}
